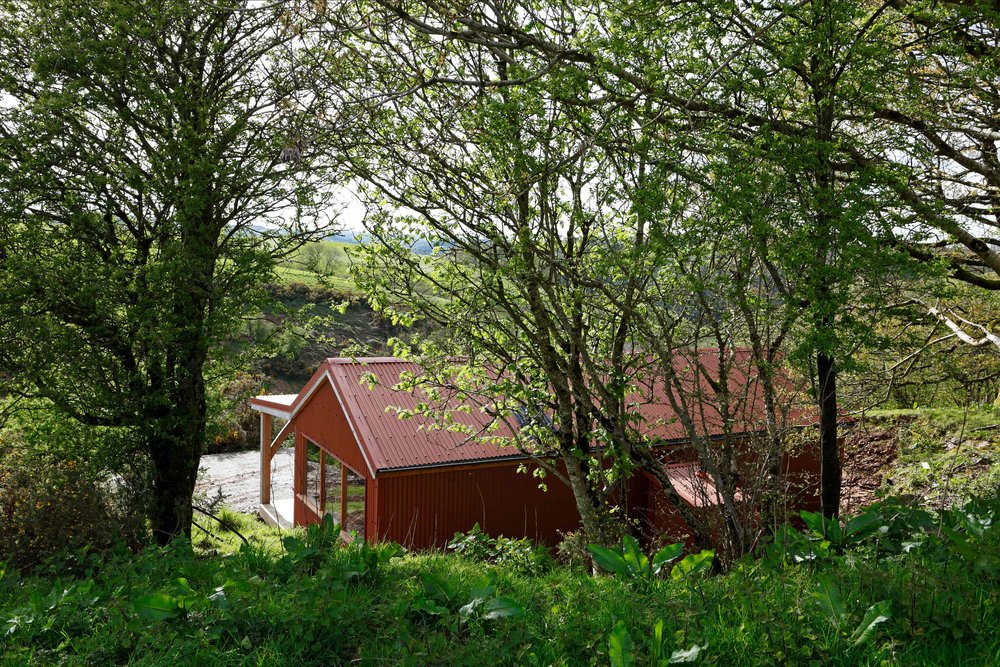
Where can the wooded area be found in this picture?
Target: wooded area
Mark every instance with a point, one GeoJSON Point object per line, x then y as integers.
{"type": "Point", "coordinates": [603, 187]}
{"type": "Point", "coordinates": [790, 205]}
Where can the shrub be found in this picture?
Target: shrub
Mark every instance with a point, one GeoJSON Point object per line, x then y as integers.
{"type": "Point", "coordinates": [53, 505]}
{"type": "Point", "coordinates": [47, 508]}
{"type": "Point", "coordinates": [573, 550]}
{"type": "Point", "coordinates": [520, 555]}
{"type": "Point", "coordinates": [235, 427]}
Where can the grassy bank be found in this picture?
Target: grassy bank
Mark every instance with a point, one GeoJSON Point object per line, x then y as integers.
{"type": "Point", "coordinates": [943, 455]}
{"type": "Point", "coordinates": [906, 595]}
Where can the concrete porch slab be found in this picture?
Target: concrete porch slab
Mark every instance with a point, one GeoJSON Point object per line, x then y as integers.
{"type": "Point", "coordinates": [280, 513]}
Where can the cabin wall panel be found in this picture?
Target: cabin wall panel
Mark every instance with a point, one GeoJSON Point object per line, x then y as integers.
{"type": "Point", "coordinates": [426, 508]}
{"type": "Point", "coordinates": [322, 421]}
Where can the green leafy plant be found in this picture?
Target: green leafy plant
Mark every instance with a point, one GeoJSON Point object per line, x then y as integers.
{"type": "Point", "coordinates": [693, 564]}
{"type": "Point", "coordinates": [876, 614]}
{"type": "Point", "coordinates": [620, 646]}
{"type": "Point", "coordinates": [828, 599]}
{"type": "Point", "coordinates": [366, 563]}
{"type": "Point", "coordinates": [629, 562]}
{"type": "Point", "coordinates": [520, 555]}
{"type": "Point", "coordinates": [840, 536]}
{"type": "Point", "coordinates": [311, 550]}
{"type": "Point", "coordinates": [622, 649]}
{"type": "Point", "coordinates": [440, 601]}
{"type": "Point", "coordinates": [180, 600]}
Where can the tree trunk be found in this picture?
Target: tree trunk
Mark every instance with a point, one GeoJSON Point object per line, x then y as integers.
{"type": "Point", "coordinates": [175, 450]}
{"type": "Point", "coordinates": [829, 449]}
{"type": "Point", "coordinates": [828, 211]}
{"type": "Point", "coordinates": [174, 475]}
{"type": "Point", "coordinates": [590, 514]}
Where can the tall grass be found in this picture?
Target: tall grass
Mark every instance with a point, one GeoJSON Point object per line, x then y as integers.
{"type": "Point", "coordinates": [299, 598]}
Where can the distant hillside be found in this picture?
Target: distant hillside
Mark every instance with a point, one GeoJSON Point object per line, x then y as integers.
{"type": "Point", "coordinates": [420, 247]}
{"type": "Point", "coordinates": [328, 259]}
{"type": "Point", "coordinates": [358, 330]}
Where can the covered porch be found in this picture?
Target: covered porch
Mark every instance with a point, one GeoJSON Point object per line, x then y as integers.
{"type": "Point", "coordinates": [278, 512]}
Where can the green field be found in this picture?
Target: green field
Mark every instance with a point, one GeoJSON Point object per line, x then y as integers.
{"type": "Point", "coordinates": [318, 263]}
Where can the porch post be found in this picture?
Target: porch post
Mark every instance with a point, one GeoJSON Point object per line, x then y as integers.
{"type": "Point", "coordinates": [265, 458]}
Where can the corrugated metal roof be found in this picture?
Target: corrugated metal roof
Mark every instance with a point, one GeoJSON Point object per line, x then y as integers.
{"type": "Point", "coordinates": [392, 443]}
{"type": "Point", "coordinates": [746, 413]}
{"type": "Point", "coordinates": [694, 486]}
{"type": "Point", "coordinates": [395, 443]}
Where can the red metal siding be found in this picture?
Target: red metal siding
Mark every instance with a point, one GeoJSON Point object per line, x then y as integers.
{"type": "Point", "coordinates": [322, 421]}
{"type": "Point", "coordinates": [371, 510]}
{"type": "Point", "coordinates": [664, 523]}
{"type": "Point", "coordinates": [802, 469]}
{"type": "Point", "coordinates": [426, 509]}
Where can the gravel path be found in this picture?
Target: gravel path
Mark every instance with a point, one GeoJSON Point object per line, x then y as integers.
{"type": "Point", "coordinates": [238, 476]}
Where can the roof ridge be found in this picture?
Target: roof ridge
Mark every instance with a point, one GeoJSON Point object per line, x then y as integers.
{"type": "Point", "coordinates": [354, 414]}
{"type": "Point", "coordinates": [340, 361]}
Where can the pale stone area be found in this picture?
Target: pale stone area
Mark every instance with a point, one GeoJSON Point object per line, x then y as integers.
{"type": "Point", "coordinates": [237, 475]}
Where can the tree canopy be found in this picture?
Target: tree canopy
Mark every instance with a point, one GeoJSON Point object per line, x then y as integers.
{"type": "Point", "coordinates": [606, 186]}
{"type": "Point", "coordinates": [154, 161]}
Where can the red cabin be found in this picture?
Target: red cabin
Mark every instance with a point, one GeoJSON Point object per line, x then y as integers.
{"type": "Point", "coordinates": [390, 479]}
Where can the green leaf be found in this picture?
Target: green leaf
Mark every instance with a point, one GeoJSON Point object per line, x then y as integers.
{"type": "Point", "coordinates": [620, 646]}
{"type": "Point", "coordinates": [828, 598]}
{"type": "Point", "coordinates": [183, 586]}
{"type": "Point", "coordinates": [437, 588]}
{"type": "Point", "coordinates": [815, 521]}
{"type": "Point", "coordinates": [692, 564]}
{"type": "Point", "coordinates": [609, 561]}
{"type": "Point", "coordinates": [156, 606]}
{"type": "Point", "coordinates": [862, 526]}
{"type": "Point", "coordinates": [634, 558]}
{"type": "Point", "coordinates": [833, 532]}
{"type": "Point", "coordinates": [877, 613]}
{"type": "Point", "coordinates": [666, 554]}
{"type": "Point", "coordinates": [429, 607]}
{"type": "Point", "coordinates": [960, 544]}
{"type": "Point", "coordinates": [502, 608]}
{"type": "Point", "coordinates": [219, 599]}
{"type": "Point", "coordinates": [483, 588]}
{"type": "Point", "coordinates": [656, 643]}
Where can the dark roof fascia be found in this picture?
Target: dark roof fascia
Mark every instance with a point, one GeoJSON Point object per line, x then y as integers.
{"type": "Point", "coordinates": [525, 457]}
{"type": "Point", "coordinates": [458, 464]}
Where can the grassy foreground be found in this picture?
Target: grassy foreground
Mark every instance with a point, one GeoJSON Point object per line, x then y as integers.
{"type": "Point", "coordinates": [917, 590]}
